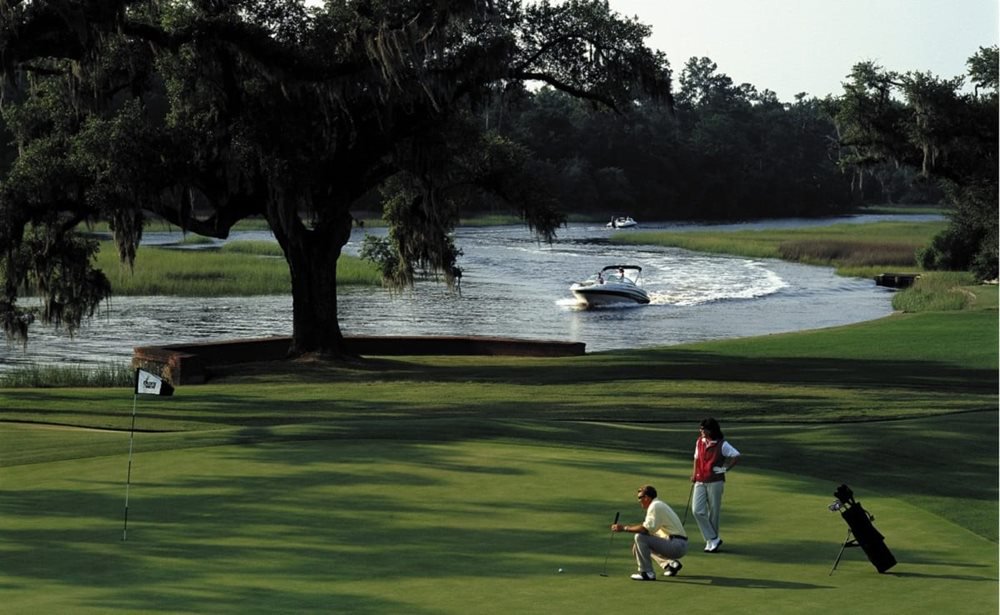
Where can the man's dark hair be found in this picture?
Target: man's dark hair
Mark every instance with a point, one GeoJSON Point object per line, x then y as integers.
{"type": "Point", "coordinates": [648, 490]}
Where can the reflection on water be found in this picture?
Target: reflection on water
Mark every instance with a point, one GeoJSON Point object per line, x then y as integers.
{"type": "Point", "coordinates": [512, 286]}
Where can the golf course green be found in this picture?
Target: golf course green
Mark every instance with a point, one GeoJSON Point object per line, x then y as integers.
{"type": "Point", "coordinates": [426, 485]}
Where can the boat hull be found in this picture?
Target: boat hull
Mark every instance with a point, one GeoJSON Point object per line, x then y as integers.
{"type": "Point", "coordinates": [600, 295]}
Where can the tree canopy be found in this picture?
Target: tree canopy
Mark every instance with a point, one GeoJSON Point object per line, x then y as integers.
{"type": "Point", "coordinates": [205, 112]}
{"type": "Point", "coordinates": [928, 123]}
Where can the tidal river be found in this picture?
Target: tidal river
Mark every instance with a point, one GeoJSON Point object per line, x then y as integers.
{"type": "Point", "coordinates": [512, 286]}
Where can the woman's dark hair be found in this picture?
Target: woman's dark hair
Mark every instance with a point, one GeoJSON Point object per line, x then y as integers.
{"type": "Point", "coordinates": [711, 427]}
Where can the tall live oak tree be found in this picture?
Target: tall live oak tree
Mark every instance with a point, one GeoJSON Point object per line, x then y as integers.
{"type": "Point", "coordinates": [206, 112]}
{"type": "Point", "coordinates": [928, 123]}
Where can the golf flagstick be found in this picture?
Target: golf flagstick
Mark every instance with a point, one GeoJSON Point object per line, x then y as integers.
{"type": "Point", "coordinates": [612, 537]}
{"type": "Point", "coordinates": [128, 475]}
{"type": "Point", "coordinates": [145, 383]}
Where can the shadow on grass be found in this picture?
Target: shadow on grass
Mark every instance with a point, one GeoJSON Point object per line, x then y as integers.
{"type": "Point", "coordinates": [311, 526]}
{"type": "Point", "coordinates": [658, 364]}
{"type": "Point", "coordinates": [744, 583]}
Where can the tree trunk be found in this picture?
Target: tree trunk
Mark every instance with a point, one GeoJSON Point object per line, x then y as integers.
{"type": "Point", "coordinates": [312, 260]}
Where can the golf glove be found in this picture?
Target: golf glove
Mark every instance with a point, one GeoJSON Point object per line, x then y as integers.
{"type": "Point", "coordinates": [719, 470]}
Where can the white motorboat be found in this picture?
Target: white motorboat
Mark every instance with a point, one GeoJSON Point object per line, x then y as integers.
{"type": "Point", "coordinates": [611, 285]}
{"type": "Point", "coordinates": [622, 222]}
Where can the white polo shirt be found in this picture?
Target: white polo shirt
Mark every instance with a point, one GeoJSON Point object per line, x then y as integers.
{"type": "Point", "coordinates": [662, 521]}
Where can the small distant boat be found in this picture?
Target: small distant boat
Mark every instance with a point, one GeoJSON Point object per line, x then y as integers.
{"type": "Point", "coordinates": [611, 285]}
{"type": "Point", "coordinates": [622, 222]}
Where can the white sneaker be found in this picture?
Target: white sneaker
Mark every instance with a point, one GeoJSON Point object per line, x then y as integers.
{"type": "Point", "coordinates": [713, 545]}
{"type": "Point", "coordinates": [708, 546]}
{"type": "Point", "coordinates": [643, 576]}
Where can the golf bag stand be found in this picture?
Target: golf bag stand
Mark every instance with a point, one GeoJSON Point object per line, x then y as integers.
{"type": "Point", "coordinates": [861, 532]}
{"type": "Point", "coordinates": [848, 542]}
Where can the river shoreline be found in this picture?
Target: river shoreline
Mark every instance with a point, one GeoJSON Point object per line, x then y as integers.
{"type": "Point", "coordinates": [514, 287]}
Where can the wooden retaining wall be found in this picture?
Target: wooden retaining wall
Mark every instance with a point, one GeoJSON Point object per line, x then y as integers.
{"type": "Point", "coordinates": [182, 364]}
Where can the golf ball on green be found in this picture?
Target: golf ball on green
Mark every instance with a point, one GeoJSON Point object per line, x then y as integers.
{"type": "Point", "coordinates": [560, 570]}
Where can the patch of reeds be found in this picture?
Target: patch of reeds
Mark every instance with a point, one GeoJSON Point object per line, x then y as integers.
{"type": "Point", "coordinates": [247, 269]}
{"type": "Point", "coordinates": [491, 220]}
{"type": "Point", "coordinates": [854, 249]}
{"type": "Point", "coordinates": [259, 248]}
{"type": "Point", "coordinates": [111, 375]}
{"type": "Point", "coordinates": [938, 291]}
{"type": "Point", "coordinates": [850, 253]}
{"type": "Point", "coordinates": [195, 240]}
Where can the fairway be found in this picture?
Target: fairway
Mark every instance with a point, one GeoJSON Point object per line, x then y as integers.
{"type": "Point", "coordinates": [294, 521]}
{"type": "Point", "coordinates": [438, 485]}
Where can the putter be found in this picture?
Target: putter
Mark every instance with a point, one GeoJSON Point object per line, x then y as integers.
{"type": "Point", "coordinates": [688, 505]}
{"type": "Point", "coordinates": [605, 573]}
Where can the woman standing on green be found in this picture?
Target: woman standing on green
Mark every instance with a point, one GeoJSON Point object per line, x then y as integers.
{"type": "Point", "coordinates": [713, 458]}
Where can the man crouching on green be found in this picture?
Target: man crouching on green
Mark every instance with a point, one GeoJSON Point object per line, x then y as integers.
{"type": "Point", "coordinates": [660, 536]}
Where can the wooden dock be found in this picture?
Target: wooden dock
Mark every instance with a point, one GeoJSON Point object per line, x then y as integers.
{"type": "Point", "coordinates": [896, 280]}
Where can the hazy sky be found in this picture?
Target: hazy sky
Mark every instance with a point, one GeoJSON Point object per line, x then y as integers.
{"type": "Point", "coordinates": [792, 46]}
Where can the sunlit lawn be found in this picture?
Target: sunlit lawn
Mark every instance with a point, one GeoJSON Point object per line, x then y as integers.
{"type": "Point", "coordinates": [440, 485]}
{"type": "Point", "coordinates": [463, 484]}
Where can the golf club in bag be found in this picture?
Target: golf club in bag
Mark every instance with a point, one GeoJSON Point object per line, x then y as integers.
{"type": "Point", "coordinates": [605, 573]}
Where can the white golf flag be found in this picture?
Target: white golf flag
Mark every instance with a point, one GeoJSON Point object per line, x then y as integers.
{"type": "Point", "coordinates": [151, 384]}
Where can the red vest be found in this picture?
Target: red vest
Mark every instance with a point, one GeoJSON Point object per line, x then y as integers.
{"type": "Point", "coordinates": [709, 456]}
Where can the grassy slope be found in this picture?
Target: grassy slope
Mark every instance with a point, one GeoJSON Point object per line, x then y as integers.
{"type": "Point", "coordinates": [434, 525]}
{"type": "Point", "coordinates": [426, 485]}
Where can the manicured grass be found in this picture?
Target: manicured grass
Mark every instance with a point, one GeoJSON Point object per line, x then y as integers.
{"type": "Point", "coordinates": [456, 484]}
{"type": "Point", "coordinates": [433, 523]}
{"type": "Point", "coordinates": [242, 268]}
{"type": "Point", "coordinates": [426, 485]}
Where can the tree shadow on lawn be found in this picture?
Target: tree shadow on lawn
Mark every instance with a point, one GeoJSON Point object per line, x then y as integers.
{"type": "Point", "coordinates": [657, 364]}
{"type": "Point", "coordinates": [743, 582]}
{"type": "Point", "coordinates": [288, 531]}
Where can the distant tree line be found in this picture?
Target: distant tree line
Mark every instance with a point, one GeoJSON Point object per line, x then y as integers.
{"type": "Point", "coordinates": [722, 152]}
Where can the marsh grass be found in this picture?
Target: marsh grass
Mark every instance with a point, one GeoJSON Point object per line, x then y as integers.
{"type": "Point", "coordinates": [938, 291]}
{"type": "Point", "coordinates": [849, 254]}
{"type": "Point", "coordinates": [491, 220]}
{"type": "Point", "coordinates": [894, 209]}
{"type": "Point", "coordinates": [844, 246]}
{"type": "Point", "coordinates": [243, 269]}
{"type": "Point", "coordinates": [108, 375]}
{"type": "Point", "coordinates": [195, 240]}
{"type": "Point", "coordinates": [258, 248]}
